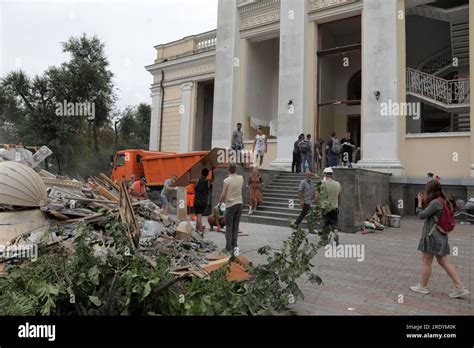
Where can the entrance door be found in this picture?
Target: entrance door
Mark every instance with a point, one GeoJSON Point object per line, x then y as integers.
{"type": "Point", "coordinates": [353, 126]}
{"type": "Point", "coordinates": [204, 114]}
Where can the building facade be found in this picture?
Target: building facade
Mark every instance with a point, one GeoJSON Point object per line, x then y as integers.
{"type": "Point", "coordinates": [395, 73]}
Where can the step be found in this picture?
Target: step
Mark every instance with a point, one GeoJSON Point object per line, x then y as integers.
{"type": "Point", "coordinates": [293, 215]}
{"type": "Point", "coordinates": [289, 181]}
{"type": "Point", "coordinates": [277, 205]}
{"type": "Point", "coordinates": [460, 26]}
{"type": "Point", "coordinates": [460, 32]}
{"type": "Point", "coordinates": [270, 221]}
{"type": "Point", "coordinates": [281, 189]}
{"type": "Point", "coordinates": [277, 209]}
{"type": "Point", "coordinates": [280, 198]}
{"type": "Point", "coordinates": [282, 184]}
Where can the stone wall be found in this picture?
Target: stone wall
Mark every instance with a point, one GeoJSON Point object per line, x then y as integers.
{"type": "Point", "coordinates": [362, 191]}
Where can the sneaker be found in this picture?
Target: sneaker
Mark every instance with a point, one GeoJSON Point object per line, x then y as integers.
{"type": "Point", "coordinates": [250, 212]}
{"type": "Point", "coordinates": [458, 292]}
{"type": "Point", "coordinates": [418, 288]}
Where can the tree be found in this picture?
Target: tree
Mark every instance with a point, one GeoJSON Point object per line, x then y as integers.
{"type": "Point", "coordinates": [134, 127]}
{"type": "Point", "coordinates": [32, 112]}
{"type": "Point", "coordinates": [28, 106]}
{"type": "Point", "coordinates": [92, 81]}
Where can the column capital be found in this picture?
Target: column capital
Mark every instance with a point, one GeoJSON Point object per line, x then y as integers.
{"type": "Point", "coordinates": [187, 86]}
{"type": "Point", "coordinates": [155, 92]}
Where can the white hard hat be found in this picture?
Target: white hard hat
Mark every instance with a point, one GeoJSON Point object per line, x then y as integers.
{"type": "Point", "coordinates": [328, 171]}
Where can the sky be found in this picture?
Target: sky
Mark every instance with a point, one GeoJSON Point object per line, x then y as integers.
{"type": "Point", "coordinates": [31, 32]}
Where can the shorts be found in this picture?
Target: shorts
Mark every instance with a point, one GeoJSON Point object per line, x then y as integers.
{"type": "Point", "coordinates": [199, 209]}
{"type": "Point", "coordinates": [164, 200]}
{"type": "Point", "coordinates": [260, 152]}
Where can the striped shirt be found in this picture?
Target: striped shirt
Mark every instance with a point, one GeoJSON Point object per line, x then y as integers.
{"type": "Point", "coordinates": [333, 189]}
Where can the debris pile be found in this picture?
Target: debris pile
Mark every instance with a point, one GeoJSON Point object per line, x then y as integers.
{"type": "Point", "coordinates": [68, 204]}
{"type": "Point", "coordinates": [99, 252]}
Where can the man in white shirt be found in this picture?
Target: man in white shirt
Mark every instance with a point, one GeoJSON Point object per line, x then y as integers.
{"type": "Point", "coordinates": [260, 147]}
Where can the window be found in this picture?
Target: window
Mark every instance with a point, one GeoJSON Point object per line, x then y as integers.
{"type": "Point", "coordinates": [354, 88]}
{"type": "Point", "coordinates": [120, 162]}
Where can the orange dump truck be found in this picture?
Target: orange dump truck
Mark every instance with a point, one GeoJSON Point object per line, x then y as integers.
{"type": "Point", "coordinates": [159, 166]}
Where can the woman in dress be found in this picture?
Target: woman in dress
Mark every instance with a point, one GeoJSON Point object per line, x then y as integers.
{"type": "Point", "coordinates": [255, 190]}
{"type": "Point", "coordinates": [434, 243]}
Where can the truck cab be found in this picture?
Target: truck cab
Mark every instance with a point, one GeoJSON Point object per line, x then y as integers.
{"type": "Point", "coordinates": [129, 162]}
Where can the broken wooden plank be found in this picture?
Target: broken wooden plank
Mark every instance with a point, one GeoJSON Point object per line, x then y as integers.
{"type": "Point", "coordinates": [109, 181]}
{"type": "Point", "coordinates": [106, 193]}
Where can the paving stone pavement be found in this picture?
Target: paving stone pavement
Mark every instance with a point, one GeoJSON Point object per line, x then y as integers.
{"type": "Point", "coordinates": [376, 285]}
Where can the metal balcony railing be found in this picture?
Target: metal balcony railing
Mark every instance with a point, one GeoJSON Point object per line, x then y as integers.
{"type": "Point", "coordinates": [447, 92]}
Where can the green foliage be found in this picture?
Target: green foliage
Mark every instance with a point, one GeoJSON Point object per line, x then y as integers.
{"type": "Point", "coordinates": [134, 127]}
{"type": "Point", "coordinates": [81, 147]}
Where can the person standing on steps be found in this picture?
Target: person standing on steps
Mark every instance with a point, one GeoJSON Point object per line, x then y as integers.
{"type": "Point", "coordinates": [433, 242]}
{"type": "Point", "coordinates": [255, 191]}
{"type": "Point", "coordinates": [307, 196]}
{"type": "Point", "coordinates": [260, 147]}
{"type": "Point", "coordinates": [334, 150]}
{"type": "Point", "coordinates": [296, 163]}
{"type": "Point", "coordinates": [318, 155]}
{"type": "Point", "coordinates": [348, 146]}
{"type": "Point", "coordinates": [237, 142]}
{"type": "Point", "coordinates": [306, 150]}
{"type": "Point", "coordinates": [232, 197]}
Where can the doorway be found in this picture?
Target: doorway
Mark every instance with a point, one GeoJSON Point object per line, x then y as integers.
{"type": "Point", "coordinates": [204, 114]}
{"type": "Point", "coordinates": [339, 78]}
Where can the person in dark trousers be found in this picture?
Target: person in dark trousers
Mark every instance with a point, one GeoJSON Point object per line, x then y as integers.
{"type": "Point", "coordinates": [296, 164]}
{"type": "Point", "coordinates": [232, 196]}
{"type": "Point", "coordinates": [318, 154]}
{"type": "Point", "coordinates": [237, 141]}
{"type": "Point", "coordinates": [334, 150]}
{"type": "Point", "coordinates": [307, 196]}
{"type": "Point", "coordinates": [434, 243]}
{"type": "Point", "coordinates": [201, 193]}
{"type": "Point", "coordinates": [306, 150]}
{"type": "Point", "coordinates": [348, 146]}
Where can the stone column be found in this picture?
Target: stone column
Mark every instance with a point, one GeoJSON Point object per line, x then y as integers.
{"type": "Point", "coordinates": [471, 69]}
{"type": "Point", "coordinates": [227, 73]}
{"type": "Point", "coordinates": [292, 79]}
{"type": "Point", "coordinates": [155, 118]}
{"type": "Point", "coordinates": [185, 112]}
{"type": "Point", "coordinates": [380, 68]}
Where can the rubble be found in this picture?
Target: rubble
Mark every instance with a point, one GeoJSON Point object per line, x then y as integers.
{"type": "Point", "coordinates": [66, 204]}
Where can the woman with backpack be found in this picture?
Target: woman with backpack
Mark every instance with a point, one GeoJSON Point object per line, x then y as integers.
{"type": "Point", "coordinates": [439, 221]}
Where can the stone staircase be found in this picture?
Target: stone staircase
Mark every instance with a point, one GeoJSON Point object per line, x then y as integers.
{"type": "Point", "coordinates": [460, 42]}
{"type": "Point", "coordinates": [278, 197]}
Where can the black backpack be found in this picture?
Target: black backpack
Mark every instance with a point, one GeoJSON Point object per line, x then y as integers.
{"type": "Point", "coordinates": [304, 147]}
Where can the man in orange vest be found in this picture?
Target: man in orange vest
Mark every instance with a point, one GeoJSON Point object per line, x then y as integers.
{"type": "Point", "coordinates": [138, 189]}
{"type": "Point", "coordinates": [190, 191]}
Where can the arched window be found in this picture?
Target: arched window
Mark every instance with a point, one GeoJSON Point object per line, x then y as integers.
{"type": "Point", "coordinates": [354, 88]}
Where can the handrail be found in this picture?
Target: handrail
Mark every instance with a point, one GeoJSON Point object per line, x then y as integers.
{"type": "Point", "coordinates": [437, 61]}
{"type": "Point", "coordinates": [448, 92]}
